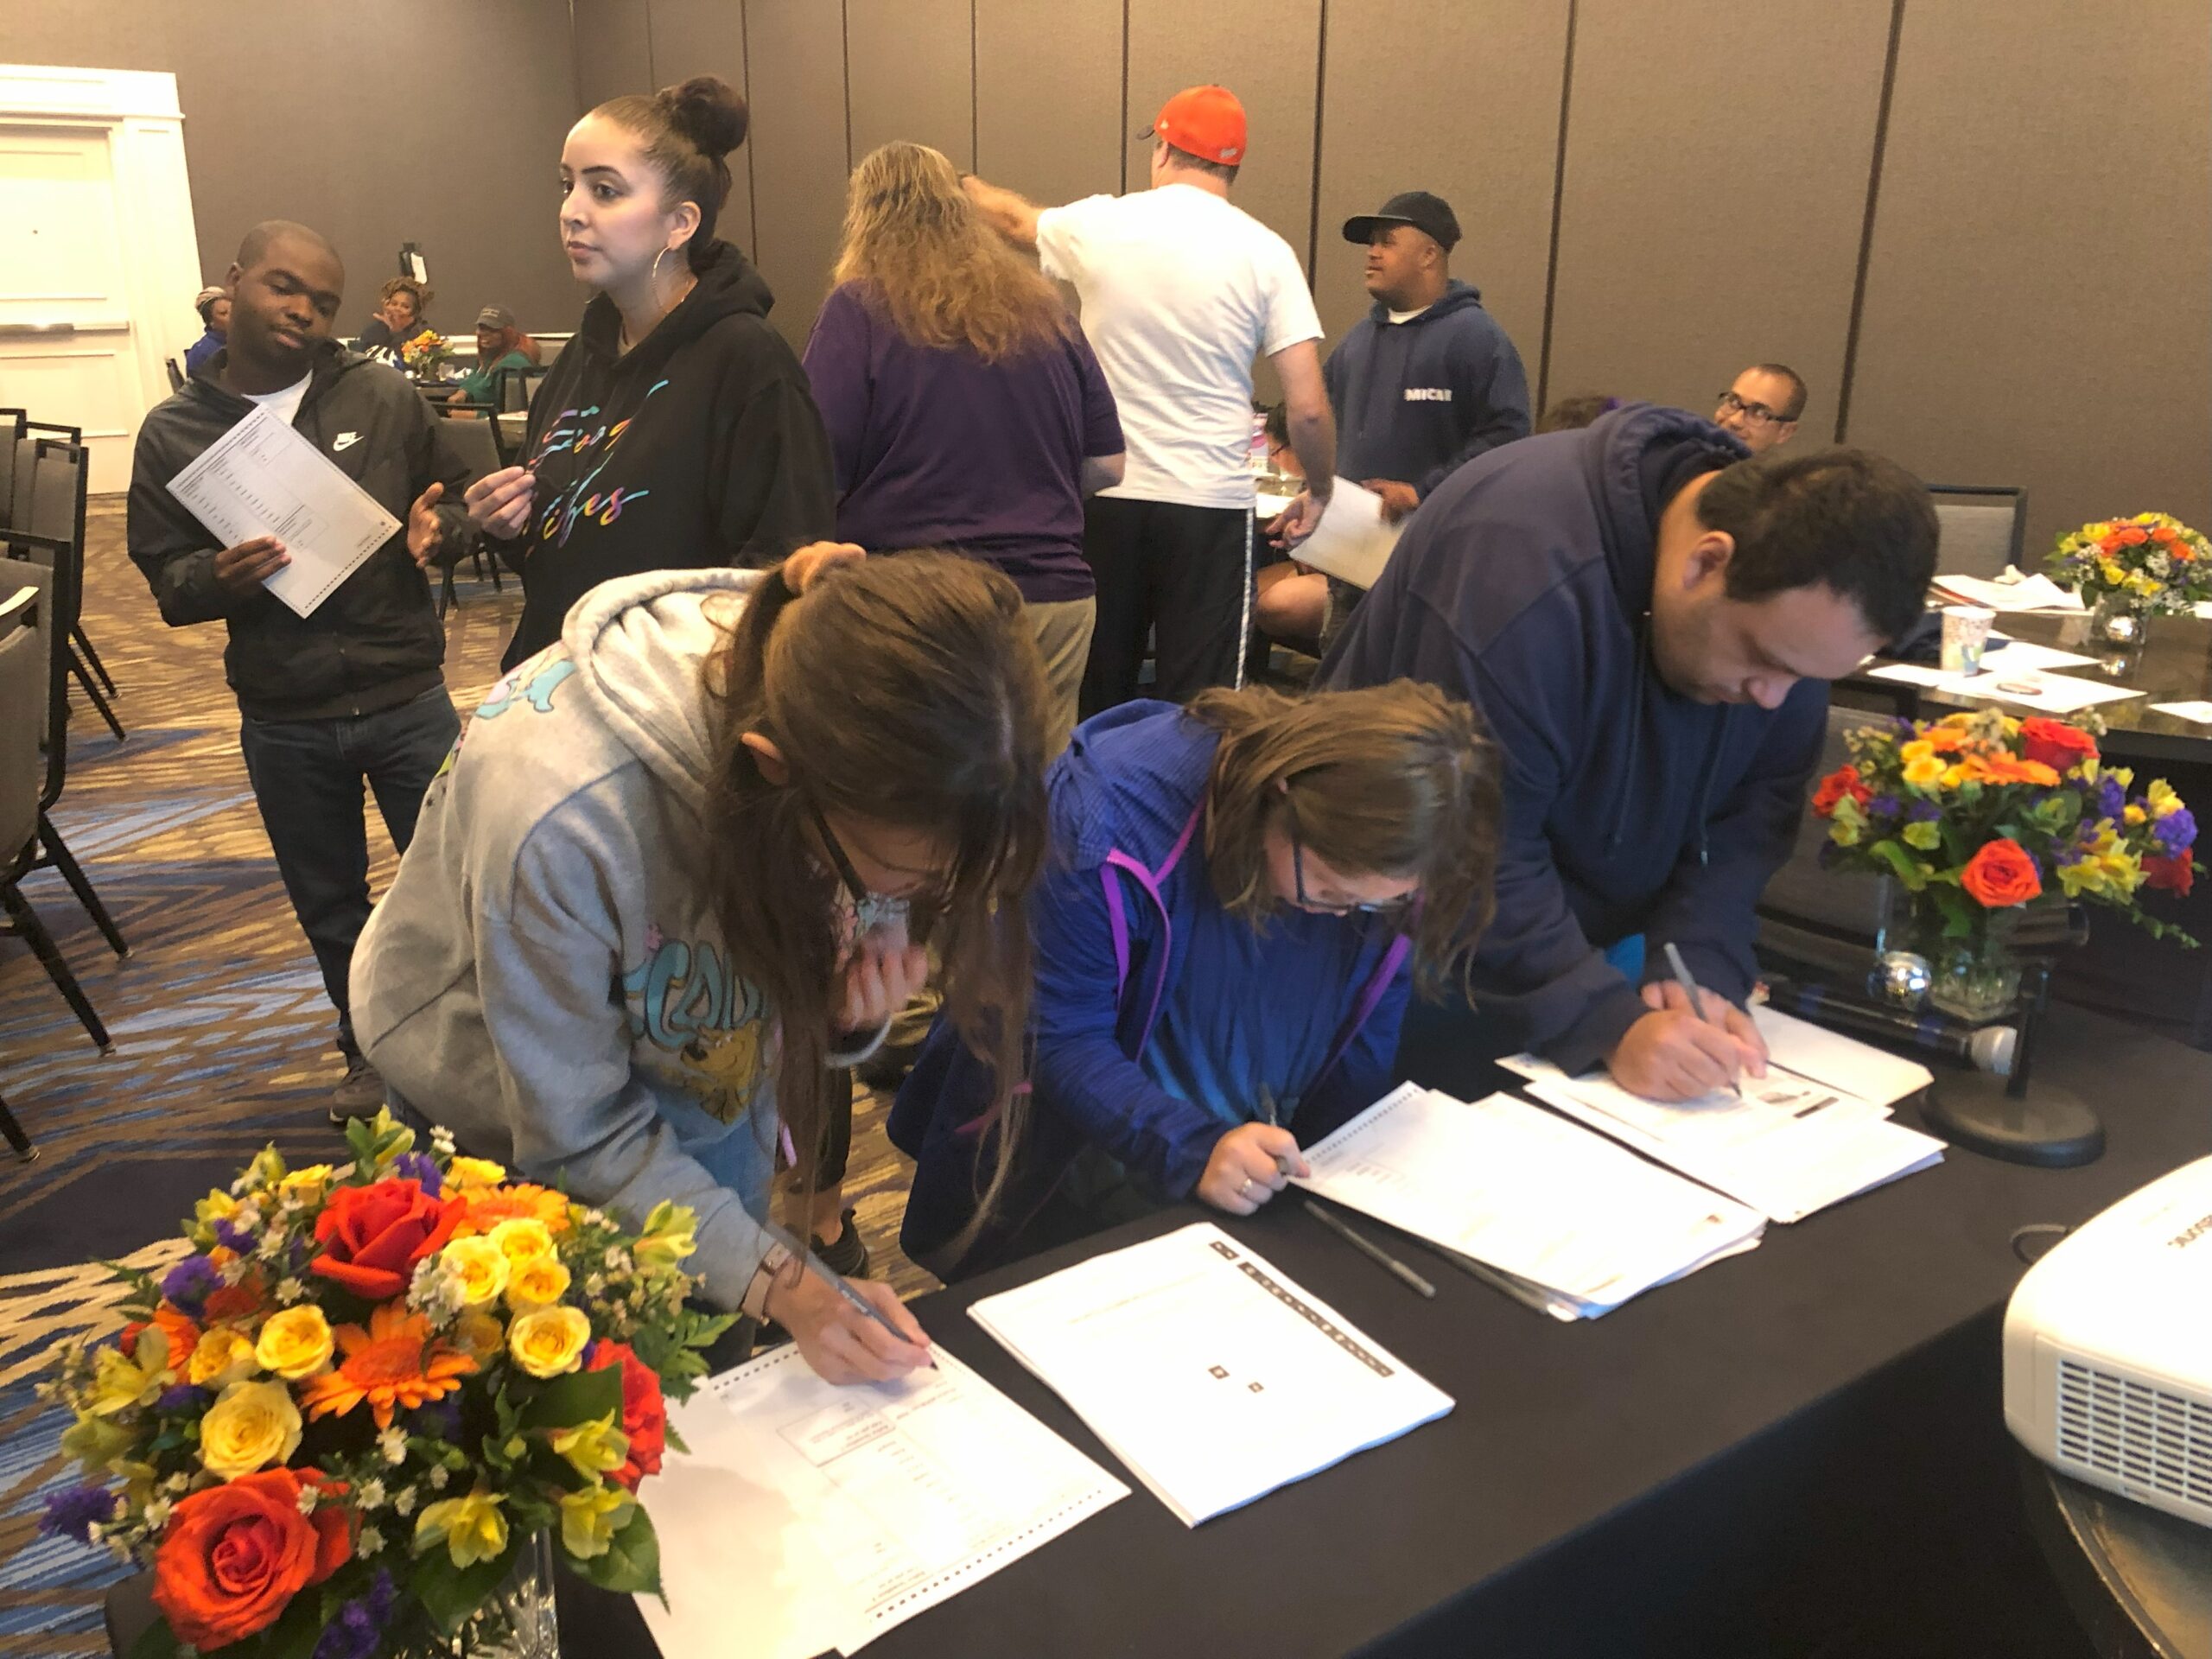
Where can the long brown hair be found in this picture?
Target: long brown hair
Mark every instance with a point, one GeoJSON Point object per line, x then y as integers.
{"type": "Point", "coordinates": [908, 691]}
{"type": "Point", "coordinates": [915, 240]}
{"type": "Point", "coordinates": [1397, 780]}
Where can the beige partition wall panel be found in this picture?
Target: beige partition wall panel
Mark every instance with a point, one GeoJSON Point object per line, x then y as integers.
{"type": "Point", "coordinates": [707, 38]}
{"type": "Point", "coordinates": [797, 50]}
{"type": "Point", "coordinates": [1265, 52]}
{"type": "Point", "coordinates": [1472, 115]}
{"type": "Point", "coordinates": [613, 56]}
{"type": "Point", "coordinates": [910, 75]}
{"type": "Point", "coordinates": [1048, 105]}
{"type": "Point", "coordinates": [1715, 192]}
{"type": "Point", "coordinates": [2039, 299]}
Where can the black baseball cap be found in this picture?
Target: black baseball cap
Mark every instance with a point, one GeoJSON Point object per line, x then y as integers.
{"type": "Point", "coordinates": [1432, 214]}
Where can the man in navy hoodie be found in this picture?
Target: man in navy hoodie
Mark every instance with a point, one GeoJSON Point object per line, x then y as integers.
{"type": "Point", "coordinates": [1648, 622]}
{"type": "Point", "coordinates": [1427, 380]}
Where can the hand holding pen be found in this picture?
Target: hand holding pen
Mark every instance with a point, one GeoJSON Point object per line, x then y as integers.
{"type": "Point", "coordinates": [1251, 1163]}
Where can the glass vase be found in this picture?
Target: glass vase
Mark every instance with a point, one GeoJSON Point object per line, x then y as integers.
{"type": "Point", "coordinates": [1974, 976]}
{"type": "Point", "coordinates": [2120, 621]}
{"type": "Point", "coordinates": [517, 1620]}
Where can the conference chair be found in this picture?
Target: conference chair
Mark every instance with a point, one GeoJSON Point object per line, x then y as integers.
{"type": "Point", "coordinates": [23, 668]}
{"type": "Point", "coordinates": [472, 444]}
{"type": "Point", "coordinates": [513, 390]}
{"type": "Point", "coordinates": [12, 423]}
{"type": "Point", "coordinates": [49, 519]}
{"type": "Point", "coordinates": [1980, 528]}
{"type": "Point", "coordinates": [176, 374]}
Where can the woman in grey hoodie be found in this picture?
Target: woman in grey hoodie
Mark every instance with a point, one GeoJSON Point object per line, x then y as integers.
{"type": "Point", "coordinates": [684, 861]}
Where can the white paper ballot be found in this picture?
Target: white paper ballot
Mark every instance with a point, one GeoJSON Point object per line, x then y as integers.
{"type": "Point", "coordinates": [1212, 1376]}
{"type": "Point", "coordinates": [2027, 654]}
{"type": "Point", "coordinates": [1353, 540]}
{"type": "Point", "coordinates": [2199, 712]}
{"type": "Point", "coordinates": [264, 478]}
{"type": "Point", "coordinates": [1521, 1191]}
{"type": "Point", "coordinates": [808, 1516]}
{"type": "Point", "coordinates": [2013, 591]}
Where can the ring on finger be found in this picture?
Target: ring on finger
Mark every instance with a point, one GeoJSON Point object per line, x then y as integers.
{"type": "Point", "coordinates": [1245, 1187]}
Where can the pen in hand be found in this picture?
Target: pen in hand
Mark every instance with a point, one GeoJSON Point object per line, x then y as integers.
{"type": "Point", "coordinates": [829, 1276]}
{"type": "Point", "coordinates": [1268, 1111]}
{"type": "Point", "coordinates": [1696, 997]}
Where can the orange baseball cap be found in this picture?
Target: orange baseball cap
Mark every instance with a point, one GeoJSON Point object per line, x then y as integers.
{"type": "Point", "coordinates": [1206, 122]}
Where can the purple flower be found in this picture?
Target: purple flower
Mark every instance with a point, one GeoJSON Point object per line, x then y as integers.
{"type": "Point", "coordinates": [182, 1397]}
{"type": "Point", "coordinates": [229, 1235]}
{"type": "Point", "coordinates": [2176, 833]}
{"type": "Point", "coordinates": [191, 1282]}
{"type": "Point", "coordinates": [72, 1513]}
{"type": "Point", "coordinates": [440, 1418]}
{"type": "Point", "coordinates": [354, 1633]}
{"type": "Point", "coordinates": [1884, 807]}
{"type": "Point", "coordinates": [1924, 812]}
{"type": "Point", "coordinates": [418, 1167]}
{"type": "Point", "coordinates": [2112, 799]}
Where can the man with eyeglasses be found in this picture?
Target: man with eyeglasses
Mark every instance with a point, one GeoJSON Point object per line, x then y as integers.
{"type": "Point", "coordinates": [1648, 619]}
{"type": "Point", "coordinates": [1761, 410]}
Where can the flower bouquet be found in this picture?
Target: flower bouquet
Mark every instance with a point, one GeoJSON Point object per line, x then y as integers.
{"type": "Point", "coordinates": [2129, 569]}
{"type": "Point", "coordinates": [357, 1418]}
{"type": "Point", "coordinates": [1974, 815]}
{"type": "Point", "coordinates": [426, 355]}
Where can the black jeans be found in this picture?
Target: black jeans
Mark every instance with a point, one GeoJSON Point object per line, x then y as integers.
{"type": "Point", "coordinates": [1181, 575]}
{"type": "Point", "coordinates": [308, 777]}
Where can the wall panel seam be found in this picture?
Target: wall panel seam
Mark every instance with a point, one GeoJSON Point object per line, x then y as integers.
{"type": "Point", "coordinates": [1559, 195]}
{"type": "Point", "coordinates": [1867, 227]}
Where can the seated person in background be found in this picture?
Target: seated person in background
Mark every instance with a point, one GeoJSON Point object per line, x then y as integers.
{"type": "Point", "coordinates": [498, 346]}
{"type": "Point", "coordinates": [1427, 380]}
{"type": "Point", "coordinates": [1648, 621]}
{"type": "Point", "coordinates": [403, 304]}
{"type": "Point", "coordinates": [1761, 410]}
{"type": "Point", "coordinates": [648, 913]}
{"type": "Point", "coordinates": [1573, 413]}
{"type": "Point", "coordinates": [213, 305]}
{"type": "Point", "coordinates": [1240, 897]}
{"type": "Point", "coordinates": [1290, 602]}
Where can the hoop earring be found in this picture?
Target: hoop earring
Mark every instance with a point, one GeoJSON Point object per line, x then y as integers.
{"type": "Point", "coordinates": [654, 278]}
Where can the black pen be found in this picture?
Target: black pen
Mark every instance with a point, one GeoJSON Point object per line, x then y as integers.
{"type": "Point", "coordinates": [1370, 1249]}
{"type": "Point", "coordinates": [1697, 997]}
{"type": "Point", "coordinates": [1283, 1165]}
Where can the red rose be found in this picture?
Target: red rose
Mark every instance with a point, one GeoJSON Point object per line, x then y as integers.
{"type": "Point", "coordinates": [2057, 745]}
{"type": "Point", "coordinates": [644, 1416]}
{"type": "Point", "coordinates": [372, 1236]}
{"type": "Point", "coordinates": [2170, 875]}
{"type": "Point", "coordinates": [2001, 875]}
{"type": "Point", "coordinates": [1843, 781]}
{"type": "Point", "coordinates": [235, 1555]}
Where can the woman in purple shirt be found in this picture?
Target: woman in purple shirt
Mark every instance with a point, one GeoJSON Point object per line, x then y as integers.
{"type": "Point", "coordinates": [964, 408]}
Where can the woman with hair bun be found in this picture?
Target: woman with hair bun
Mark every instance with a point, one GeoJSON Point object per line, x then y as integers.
{"type": "Point", "coordinates": [676, 428]}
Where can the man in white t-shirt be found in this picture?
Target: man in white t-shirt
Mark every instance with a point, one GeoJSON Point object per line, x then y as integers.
{"type": "Point", "coordinates": [1180, 292]}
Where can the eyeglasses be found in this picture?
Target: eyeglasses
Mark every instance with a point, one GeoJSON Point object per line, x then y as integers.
{"type": "Point", "coordinates": [1397, 907]}
{"type": "Point", "coordinates": [1755, 412]}
{"type": "Point", "coordinates": [842, 864]}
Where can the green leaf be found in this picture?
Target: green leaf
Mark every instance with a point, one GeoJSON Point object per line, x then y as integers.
{"type": "Point", "coordinates": [449, 1594]}
{"type": "Point", "coordinates": [155, 1642]}
{"type": "Point", "coordinates": [630, 1565]}
{"type": "Point", "coordinates": [1906, 865]}
{"type": "Point", "coordinates": [294, 1635]}
{"type": "Point", "coordinates": [577, 1398]}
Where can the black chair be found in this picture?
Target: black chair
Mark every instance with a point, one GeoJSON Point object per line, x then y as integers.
{"type": "Point", "coordinates": [1980, 528]}
{"type": "Point", "coordinates": [23, 671]}
{"type": "Point", "coordinates": [48, 523]}
{"type": "Point", "coordinates": [176, 374]}
{"type": "Point", "coordinates": [12, 423]}
{"type": "Point", "coordinates": [472, 444]}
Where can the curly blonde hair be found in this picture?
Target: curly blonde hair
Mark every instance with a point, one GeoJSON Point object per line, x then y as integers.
{"type": "Point", "coordinates": [915, 241]}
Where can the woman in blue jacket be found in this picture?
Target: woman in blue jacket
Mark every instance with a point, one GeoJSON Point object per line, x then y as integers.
{"type": "Point", "coordinates": [1242, 896]}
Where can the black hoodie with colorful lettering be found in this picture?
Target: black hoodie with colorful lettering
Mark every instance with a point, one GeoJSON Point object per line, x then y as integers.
{"type": "Point", "coordinates": [701, 445]}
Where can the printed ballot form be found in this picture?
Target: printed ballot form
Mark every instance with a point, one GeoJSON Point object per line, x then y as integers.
{"type": "Point", "coordinates": [807, 1515]}
{"type": "Point", "coordinates": [1353, 541]}
{"type": "Point", "coordinates": [264, 478]}
{"type": "Point", "coordinates": [1514, 1187]}
{"type": "Point", "coordinates": [1210, 1374]}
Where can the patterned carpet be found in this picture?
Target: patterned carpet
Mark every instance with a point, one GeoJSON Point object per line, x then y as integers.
{"type": "Point", "coordinates": [222, 1033]}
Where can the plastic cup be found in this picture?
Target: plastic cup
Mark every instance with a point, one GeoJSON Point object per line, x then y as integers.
{"type": "Point", "coordinates": [1966, 635]}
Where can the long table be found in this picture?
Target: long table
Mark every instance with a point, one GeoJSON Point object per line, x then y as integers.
{"type": "Point", "coordinates": [1797, 1451]}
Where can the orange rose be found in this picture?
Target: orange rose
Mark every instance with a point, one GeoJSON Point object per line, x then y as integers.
{"type": "Point", "coordinates": [2170, 875]}
{"type": "Point", "coordinates": [645, 1415]}
{"type": "Point", "coordinates": [2001, 875]}
{"type": "Point", "coordinates": [235, 1555]}
{"type": "Point", "coordinates": [1944, 740]}
{"type": "Point", "coordinates": [372, 1236]}
{"type": "Point", "coordinates": [2132, 536]}
{"type": "Point", "coordinates": [2057, 745]}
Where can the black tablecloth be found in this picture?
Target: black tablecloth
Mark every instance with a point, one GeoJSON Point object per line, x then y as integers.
{"type": "Point", "coordinates": [1795, 1451]}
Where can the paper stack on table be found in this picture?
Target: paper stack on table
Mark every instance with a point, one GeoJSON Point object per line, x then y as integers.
{"type": "Point", "coordinates": [1551, 1206]}
{"type": "Point", "coordinates": [1211, 1376]}
{"type": "Point", "coordinates": [806, 1517]}
{"type": "Point", "coordinates": [2013, 591]}
{"type": "Point", "coordinates": [1814, 1131]}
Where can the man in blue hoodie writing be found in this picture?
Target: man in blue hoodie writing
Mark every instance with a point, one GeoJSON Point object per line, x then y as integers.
{"type": "Point", "coordinates": [1427, 380]}
{"type": "Point", "coordinates": [1648, 621]}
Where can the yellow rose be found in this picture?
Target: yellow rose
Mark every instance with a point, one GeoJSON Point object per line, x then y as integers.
{"type": "Point", "coordinates": [479, 1267]}
{"type": "Point", "coordinates": [521, 1237]}
{"type": "Point", "coordinates": [224, 1355]}
{"type": "Point", "coordinates": [593, 1448]}
{"type": "Point", "coordinates": [1919, 749]}
{"type": "Point", "coordinates": [472, 1528]}
{"type": "Point", "coordinates": [474, 1174]}
{"type": "Point", "coordinates": [306, 1186]}
{"type": "Point", "coordinates": [1924, 772]}
{"type": "Point", "coordinates": [252, 1426]}
{"type": "Point", "coordinates": [296, 1344]}
{"type": "Point", "coordinates": [589, 1519]}
{"type": "Point", "coordinates": [121, 1380]}
{"type": "Point", "coordinates": [538, 1281]}
{"type": "Point", "coordinates": [480, 1335]}
{"type": "Point", "coordinates": [549, 1341]}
